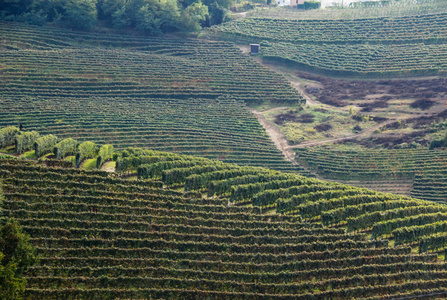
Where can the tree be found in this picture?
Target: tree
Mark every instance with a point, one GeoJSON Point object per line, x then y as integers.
{"type": "Point", "coordinates": [80, 14]}
{"type": "Point", "coordinates": [221, 3]}
{"type": "Point", "coordinates": [151, 16]}
{"type": "Point", "coordinates": [106, 9]}
{"type": "Point", "coordinates": [16, 256]}
{"type": "Point", "coordinates": [14, 7]}
{"type": "Point", "coordinates": [158, 16]}
{"type": "Point", "coordinates": [51, 10]}
{"type": "Point", "coordinates": [438, 143]}
{"type": "Point", "coordinates": [192, 16]}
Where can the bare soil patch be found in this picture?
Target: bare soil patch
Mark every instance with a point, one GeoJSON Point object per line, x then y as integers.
{"type": "Point", "coordinates": [404, 109]}
{"type": "Point", "coordinates": [371, 94]}
{"type": "Point", "coordinates": [108, 166]}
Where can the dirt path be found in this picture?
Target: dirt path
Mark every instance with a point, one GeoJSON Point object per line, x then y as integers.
{"type": "Point", "coordinates": [241, 15]}
{"type": "Point", "coordinates": [273, 109]}
{"type": "Point", "coordinates": [344, 138]}
{"type": "Point", "coordinates": [276, 136]}
{"type": "Point", "coordinates": [108, 167]}
{"type": "Point", "coordinates": [279, 139]}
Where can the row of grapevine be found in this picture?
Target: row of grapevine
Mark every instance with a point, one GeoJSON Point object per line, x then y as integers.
{"type": "Point", "coordinates": [425, 168]}
{"type": "Point", "coordinates": [354, 12]}
{"type": "Point", "coordinates": [363, 60]}
{"type": "Point", "coordinates": [332, 204]}
{"type": "Point", "coordinates": [359, 47]}
{"type": "Point", "coordinates": [427, 28]}
{"type": "Point", "coordinates": [171, 94]}
{"type": "Point", "coordinates": [100, 236]}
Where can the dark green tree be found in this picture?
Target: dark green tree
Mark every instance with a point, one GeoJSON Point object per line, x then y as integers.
{"type": "Point", "coordinates": [151, 16]}
{"type": "Point", "coordinates": [192, 16]}
{"type": "Point", "coordinates": [80, 14]}
{"type": "Point", "coordinates": [14, 7]}
{"type": "Point", "coordinates": [16, 256]}
{"type": "Point", "coordinates": [158, 16]}
{"type": "Point", "coordinates": [217, 11]}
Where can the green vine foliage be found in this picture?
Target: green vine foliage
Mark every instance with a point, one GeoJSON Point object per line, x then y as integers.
{"type": "Point", "coordinates": [16, 256]}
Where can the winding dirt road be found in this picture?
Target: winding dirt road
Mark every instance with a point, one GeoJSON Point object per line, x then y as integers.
{"type": "Point", "coordinates": [279, 139]}
{"type": "Point", "coordinates": [276, 136]}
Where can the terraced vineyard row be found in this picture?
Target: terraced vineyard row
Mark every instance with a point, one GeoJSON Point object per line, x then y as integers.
{"type": "Point", "coordinates": [364, 60]}
{"type": "Point", "coordinates": [331, 204]}
{"type": "Point", "coordinates": [100, 237]}
{"type": "Point", "coordinates": [368, 47]}
{"type": "Point", "coordinates": [397, 30]}
{"type": "Point", "coordinates": [172, 94]}
{"type": "Point", "coordinates": [427, 169]}
{"type": "Point", "coordinates": [387, 185]}
{"type": "Point", "coordinates": [390, 9]}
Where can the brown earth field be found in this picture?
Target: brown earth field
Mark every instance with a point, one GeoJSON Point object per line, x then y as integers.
{"type": "Point", "coordinates": [373, 94]}
{"type": "Point", "coordinates": [415, 104]}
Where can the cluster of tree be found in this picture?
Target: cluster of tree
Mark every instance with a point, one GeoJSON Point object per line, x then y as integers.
{"type": "Point", "coordinates": [310, 5]}
{"type": "Point", "coordinates": [151, 16]}
{"type": "Point", "coordinates": [16, 256]}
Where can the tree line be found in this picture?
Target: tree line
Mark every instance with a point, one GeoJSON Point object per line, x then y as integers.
{"type": "Point", "coordinates": [149, 16]}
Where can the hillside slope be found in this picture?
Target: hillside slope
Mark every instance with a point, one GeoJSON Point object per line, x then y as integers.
{"type": "Point", "coordinates": [168, 93]}
{"type": "Point", "coordinates": [362, 46]}
{"type": "Point", "coordinates": [363, 73]}
{"type": "Point", "coordinates": [103, 237]}
{"type": "Point", "coordinates": [424, 169]}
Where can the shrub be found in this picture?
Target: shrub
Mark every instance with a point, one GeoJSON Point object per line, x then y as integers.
{"type": "Point", "coordinates": [105, 153]}
{"type": "Point", "coordinates": [44, 144]}
{"type": "Point", "coordinates": [422, 104]}
{"type": "Point", "coordinates": [323, 127]}
{"type": "Point", "coordinates": [438, 143]}
{"type": "Point", "coordinates": [289, 116]}
{"type": "Point", "coordinates": [8, 135]}
{"type": "Point", "coordinates": [65, 147]}
{"type": "Point", "coordinates": [312, 4]}
{"type": "Point", "coordinates": [85, 150]}
{"type": "Point", "coordinates": [357, 128]}
{"type": "Point", "coordinates": [25, 141]}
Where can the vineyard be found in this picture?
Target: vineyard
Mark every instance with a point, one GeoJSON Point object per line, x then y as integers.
{"type": "Point", "coordinates": [367, 47]}
{"type": "Point", "coordinates": [391, 9]}
{"type": "Point", "coordinates": [172, 94]}
{"type": "Point", "coordinates": [326, 203]}
{"type": "Point", "coordinates": [425, 28]}
{"type": "Point", "coordinates": [154, 167]}
{"type": "Point", "coordinates": [425, 169]}
{"type": "Point", "coordinates": [104, 237]}
{"type": "Point", "coordinates": [397, 39]}
{"type": "Point", "coordinates": [364, 60]}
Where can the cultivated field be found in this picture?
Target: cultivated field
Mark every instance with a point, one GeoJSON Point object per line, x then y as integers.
{"type": "Point", "coordinates": [361, 46]}
{"type": "Point", "coordinates": [102, 237]}
{"type": "Point", "coordinates": [421, 173]}
{"type": "Point", "coordinates": [170, 167]}
{"type": "Point", "coordinates": [172, 94]}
